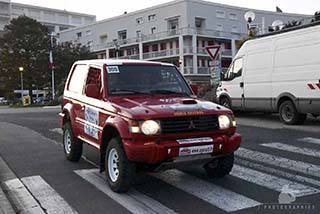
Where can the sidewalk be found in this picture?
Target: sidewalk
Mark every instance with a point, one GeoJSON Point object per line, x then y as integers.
{"type": "Point", "coordinates": [5, 205]}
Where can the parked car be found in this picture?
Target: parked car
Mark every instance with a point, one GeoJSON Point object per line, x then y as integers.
{"type": "Point", "coordinates": [276, 73]}
{"type": "Point", "coordinates": [143, 116]}
{"type": "Point", "coordinates": [3, 101]}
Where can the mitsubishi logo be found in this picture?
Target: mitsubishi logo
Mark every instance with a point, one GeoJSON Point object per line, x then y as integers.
{"type": "Point", "coordinates": [191, 125]}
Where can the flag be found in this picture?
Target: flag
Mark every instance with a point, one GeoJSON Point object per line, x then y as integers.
{"type": "Point", "coordinates": [278, 10]}
{"type": "Point", "coordinates": [51, 65]}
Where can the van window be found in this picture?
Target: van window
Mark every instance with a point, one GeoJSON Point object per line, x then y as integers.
{"type": "Point", "coordinates": [235, 70]}
{"type": "Point", "coordinates": [94, 77]}
{"type": "Point", "coordinates": [78, 79]}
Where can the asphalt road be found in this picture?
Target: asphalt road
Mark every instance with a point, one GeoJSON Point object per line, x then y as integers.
{"type": "Point", "coordinates": [276, 163]}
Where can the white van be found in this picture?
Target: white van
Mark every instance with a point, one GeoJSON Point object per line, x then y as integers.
{"type": "Point", "coordinates": [276, 73]}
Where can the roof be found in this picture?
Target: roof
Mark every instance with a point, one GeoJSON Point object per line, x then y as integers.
{"type": "Point", "coordinates": [120, 62]}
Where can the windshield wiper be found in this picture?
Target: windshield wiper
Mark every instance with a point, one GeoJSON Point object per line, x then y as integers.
{"type": "Point", "coordinates": [167, 92]}
{"type": "Point", "coordinates": [124, 91]}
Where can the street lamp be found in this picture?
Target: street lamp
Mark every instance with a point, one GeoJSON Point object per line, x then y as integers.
{"type": "Point", "coordinates": [252, 28]}
{"type": "Point", "coordinates": [21, 79]}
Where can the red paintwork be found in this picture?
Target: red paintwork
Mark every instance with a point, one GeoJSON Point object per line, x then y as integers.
{"type": "Point", "coordinates": [118, 111]}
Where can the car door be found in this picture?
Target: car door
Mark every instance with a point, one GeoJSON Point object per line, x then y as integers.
{"type": "Point", "coordinates": [92, 110]}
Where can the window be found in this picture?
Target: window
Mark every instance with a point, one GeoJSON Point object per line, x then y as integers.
{"type": "Point", "coordinates": [61, 28]}
{"type": "Point", "coordinates": [138, 33]}
{"type": "Point", "coordinates": [122, 35]}
{"type": "Point", "coordinates": [139, 20]}
{"type": "Point", "coordinates": [153, 30]}
{"type": "Point", "coordinates": [88, 33]}
{"type": "Point", "coordinates": [235, 70]}
{"type": "Point", "coordinates": [233, 16]}
{"type": "Point", "coordinates": [173, 26]}
{"type": "Point", "coordinates": [152, 17]}
{"type": "Point", "coordinates": [89, 43]}
{"type": "Point", "coordinates": [79, 35]}
{"type": "Point", "coordinates": [199, 22]}
{"type": "Point", "coordinates": [94, 78]}
{"type": "Point", "coordinates": [77, 80]}
{"type": "Point", "coordinates": [50, 28]}
{"type": "Point", "coordinates": [234, 29]}
{"type": "Point", "coordinates": [219, 27]}
{"type": "Point", "coordinates": [220, 14]}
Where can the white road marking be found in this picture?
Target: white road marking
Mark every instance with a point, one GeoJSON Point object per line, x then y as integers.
{"type": "Point", "coordinates": [23, 200]}
{"type": "Point", "coordinates": [48, 198]}
{"type": "Point", "coordinates": [211, 193]}
{"type": "Point", "coordinates": [274, 171]}
{"type": "Point", "coordinates": [294, 149]}
{"type": "Point", "coordinates": [298, 166]}
{"type": "Point", "coordinates": [133, 200]}
{"type": "Point", "coordinates": [310, 140]}
{"type": "Point", "coordinates": [57, 130]}
{"type": "Point", "coordinates": [270, 181]}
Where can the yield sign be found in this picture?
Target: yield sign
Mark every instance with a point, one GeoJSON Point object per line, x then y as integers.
{"type": "Point", "coordinates": [213, 51]}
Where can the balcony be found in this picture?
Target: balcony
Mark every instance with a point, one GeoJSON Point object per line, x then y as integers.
{"type": "Point", "coordinates": [161, 54]}
{"type": "Point", "coordinates": [130, 57]}
{"type": "Point", "coordinates": [170, 34]}
{"type": "Point", "coordinates": [188, 50]}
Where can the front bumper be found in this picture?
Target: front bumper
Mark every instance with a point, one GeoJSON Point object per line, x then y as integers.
{"type": "Point", "coordinates": [159, 151]}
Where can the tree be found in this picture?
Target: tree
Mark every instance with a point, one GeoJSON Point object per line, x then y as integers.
{"type": "Point", "coordinates": [26, 43]}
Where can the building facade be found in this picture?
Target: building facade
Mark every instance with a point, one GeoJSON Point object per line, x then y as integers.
{"type": "Point", "coordinates": [55, 20]}
{"type": "Point", "coordinates": [176, 32]}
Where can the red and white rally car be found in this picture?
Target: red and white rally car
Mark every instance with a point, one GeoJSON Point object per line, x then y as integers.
{"type": "Point", "coordinates": [143, 116]}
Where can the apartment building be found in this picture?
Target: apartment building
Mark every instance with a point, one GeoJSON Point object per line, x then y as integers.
{"type": "Point", "coordinates": [55, 20]}
{"type": "Point", "coordinates": [175, 32]}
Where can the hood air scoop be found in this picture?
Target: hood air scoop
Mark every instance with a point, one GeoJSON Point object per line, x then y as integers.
{"type": "Point", "coordinates": [189, 102]}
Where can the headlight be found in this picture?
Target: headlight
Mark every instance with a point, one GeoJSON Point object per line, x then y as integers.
{"type": "Point", "coordinates": [150, 127]}
{"type": "Point", "coordinates": [224, 121]}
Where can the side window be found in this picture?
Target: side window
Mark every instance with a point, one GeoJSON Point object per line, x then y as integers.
{"type": "Point", "coordinates": [77, 79]}
{"type": "Point", "coordinates": [235, 70]}
{"type": "Point", "coordinates": [94, 78]}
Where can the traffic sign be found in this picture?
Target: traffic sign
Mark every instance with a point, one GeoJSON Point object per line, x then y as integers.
{"type": "Point", "coordinates": [213, 51]}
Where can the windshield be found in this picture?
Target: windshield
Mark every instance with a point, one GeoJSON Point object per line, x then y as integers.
{"type": "Point", "coordinates": [145, 79]}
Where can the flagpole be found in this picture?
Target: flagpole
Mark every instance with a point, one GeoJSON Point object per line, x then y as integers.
{"type": "Point", "coordinates": [52, 67]}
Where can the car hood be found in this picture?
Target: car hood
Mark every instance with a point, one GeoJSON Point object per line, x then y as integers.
{"type": "Point", "coordinates": [147, 107]}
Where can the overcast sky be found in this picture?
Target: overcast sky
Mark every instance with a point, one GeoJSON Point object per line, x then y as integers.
{"type": "Point", "coordinates": [104, 8]}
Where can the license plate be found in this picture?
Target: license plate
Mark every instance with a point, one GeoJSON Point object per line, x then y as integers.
{"type": "Point", "coordinates": [195, 150]}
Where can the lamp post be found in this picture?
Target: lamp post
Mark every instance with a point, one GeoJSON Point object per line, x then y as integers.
{"type": "Point", "coordinates": [21, 79]}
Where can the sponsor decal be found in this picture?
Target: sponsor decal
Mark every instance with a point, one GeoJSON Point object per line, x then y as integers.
{"type": "Point", "coordinates": [189, 113]}
{"type": "Point", "coordinates": [195, 140]}
{"type": "Point", "coordinates": [113, 69]}
{"type": "Point", "coordinates": [91, 122]}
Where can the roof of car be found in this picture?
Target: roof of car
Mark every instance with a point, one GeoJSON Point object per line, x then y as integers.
{"type": "Point", "coordinates": [120, 62]}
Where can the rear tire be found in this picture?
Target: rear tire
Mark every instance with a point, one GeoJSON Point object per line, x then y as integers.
{"type": "Point", "coordinates": [72, 146]}
{"type": "Point", "coordinates": [221, 167]}
{"type": "Point", "coordinates": [289, 115]}
{"type": "Point", "coordinates": [120, 171]}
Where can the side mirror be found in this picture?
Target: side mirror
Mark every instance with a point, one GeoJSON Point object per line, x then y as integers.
{"type": "Point", "coordinates": [93, 90]}
{"type": "Point", "coordinates": [194, 88]}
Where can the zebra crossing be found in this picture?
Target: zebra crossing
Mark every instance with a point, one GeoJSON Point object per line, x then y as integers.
{"type": "Point", "coordinates": [259, 167]}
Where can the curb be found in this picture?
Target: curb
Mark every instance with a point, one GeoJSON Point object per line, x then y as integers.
{"type": "Point", "coordinates": [16, 197]}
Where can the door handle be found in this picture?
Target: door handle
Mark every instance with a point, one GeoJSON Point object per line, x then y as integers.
{"type": "Point", "coordinates": [241, 84]}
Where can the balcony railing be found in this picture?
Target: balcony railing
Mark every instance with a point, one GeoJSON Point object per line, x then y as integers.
{"type": "Point", "coordinates": [130, 57]}
{"type": "Point", "coordinates": [201, 71]}
{"type": "Point", "coordinates": [162, 53]}
{"type": "Point", "coordinates": [188, 50]}
{"type": "Point", "coordinates": [172, 33]}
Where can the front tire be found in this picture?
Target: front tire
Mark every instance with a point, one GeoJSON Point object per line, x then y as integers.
{"type": "Point", "coordinates": [289, 114]}
{"type": "Point", "coordinates": [72, 146]}
{"type": "Point", "coordinates": [120, 171]}
{"type": "Point", "coordinates": [221, 167]}
{"type": "Point", "coordinates": [224, 101]}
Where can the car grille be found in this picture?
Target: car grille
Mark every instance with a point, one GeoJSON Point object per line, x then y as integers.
{"type": "Point", "coordinates": [189, 124]}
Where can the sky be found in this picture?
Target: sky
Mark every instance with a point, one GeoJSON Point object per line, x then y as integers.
{"type": "Point", "coordinates": [108, 8]}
